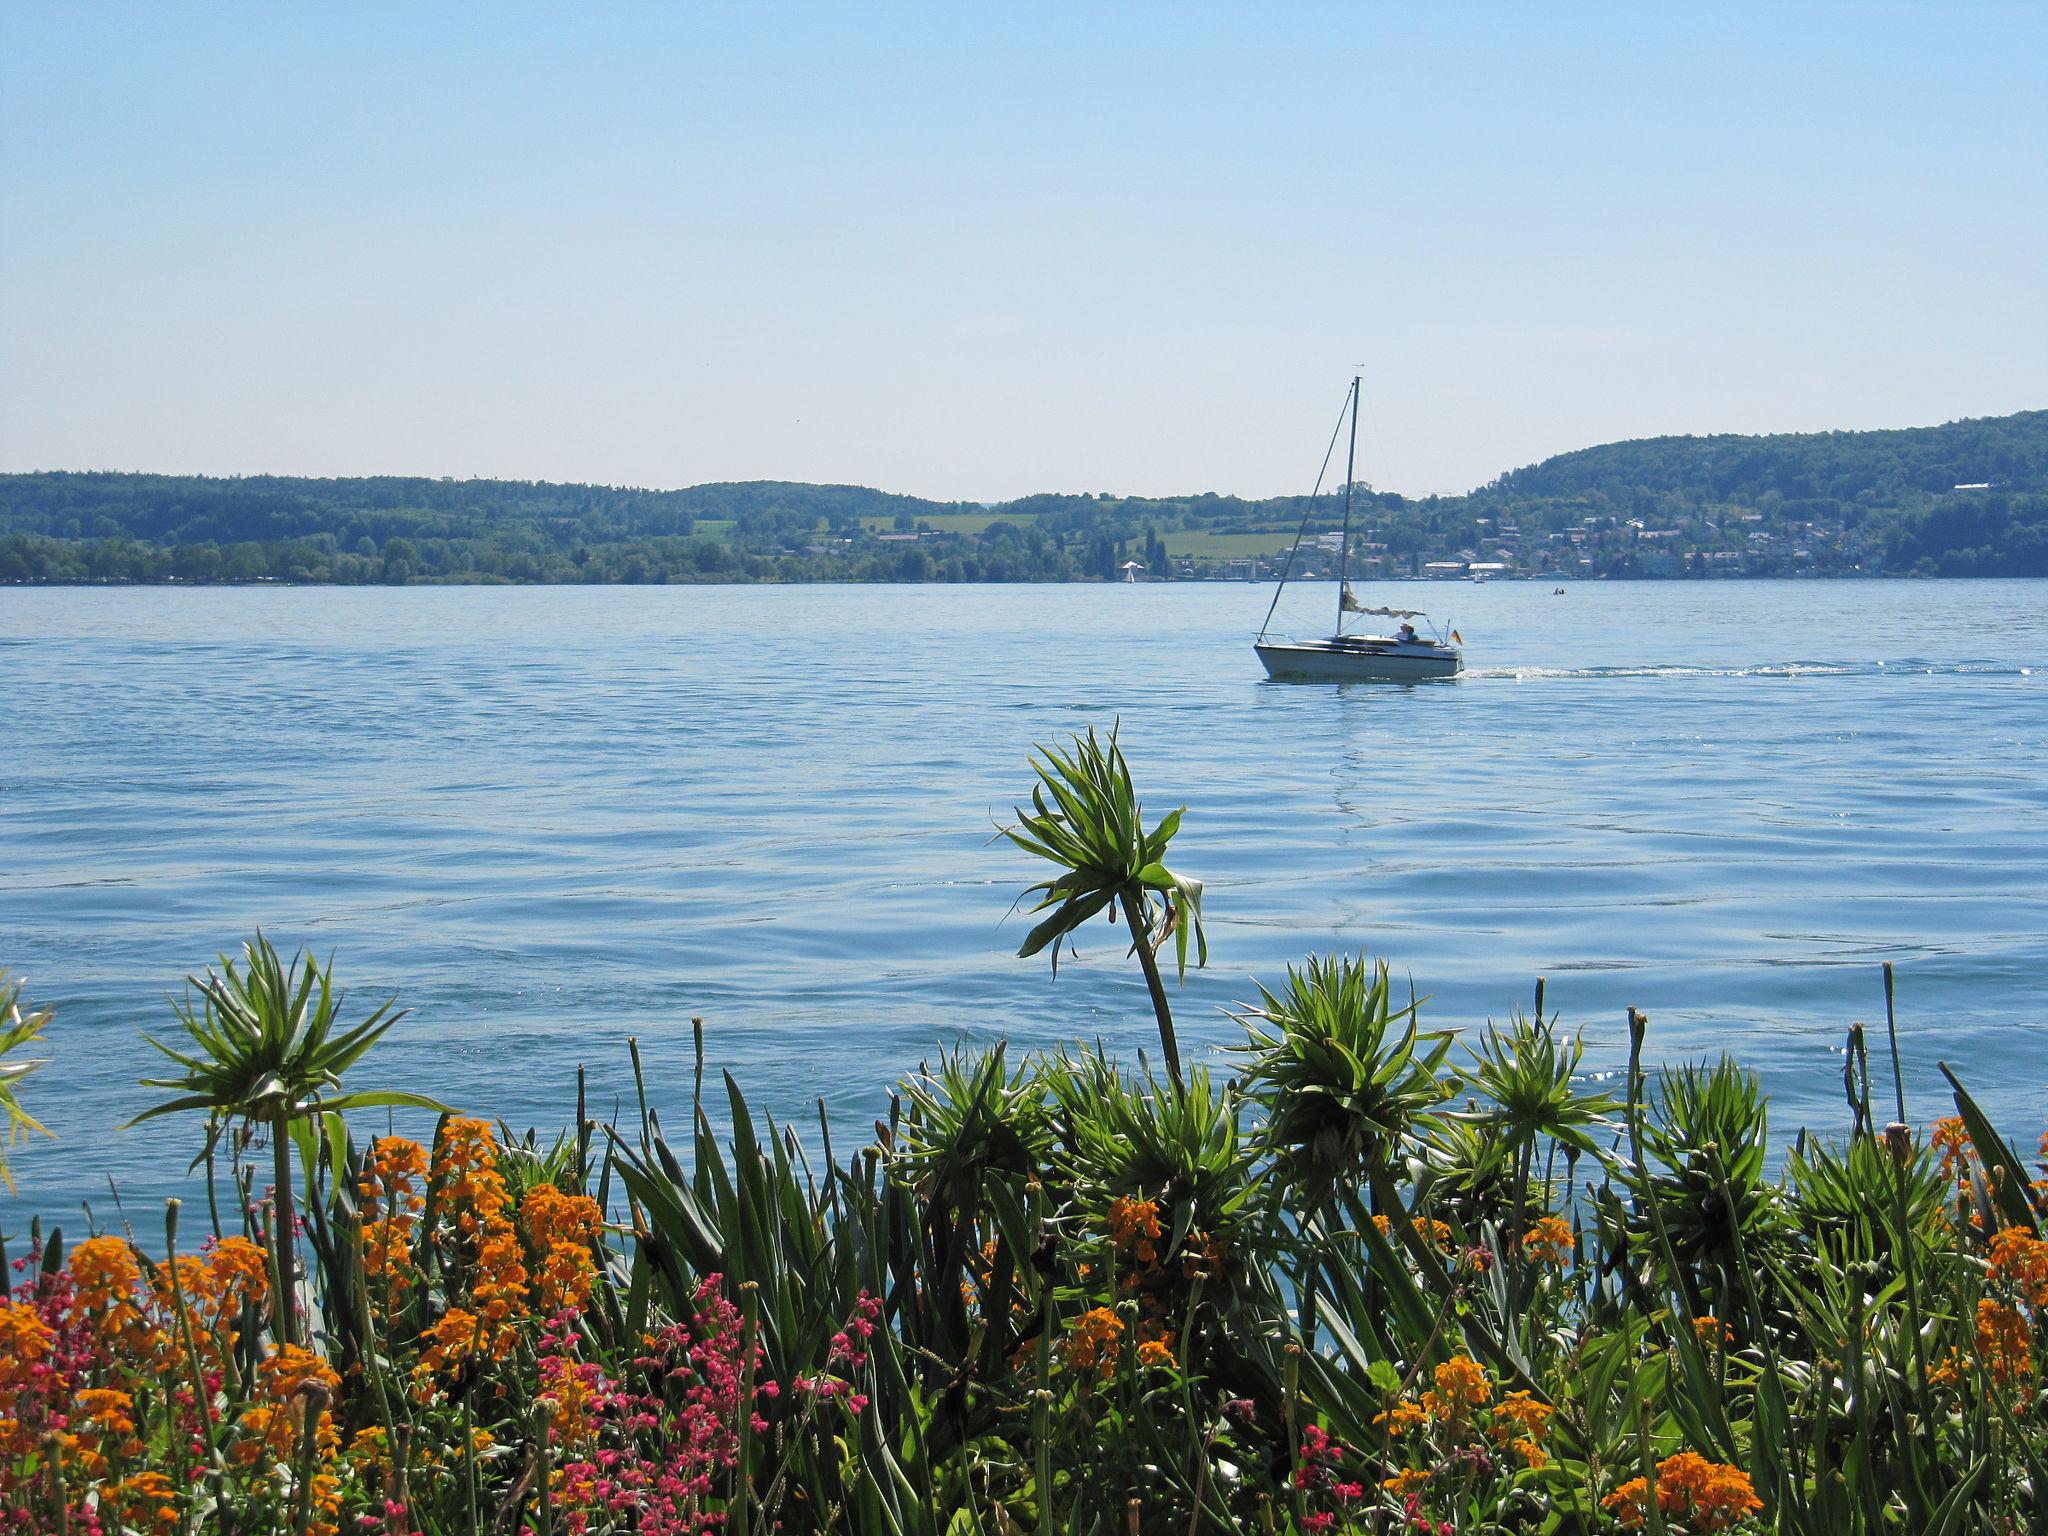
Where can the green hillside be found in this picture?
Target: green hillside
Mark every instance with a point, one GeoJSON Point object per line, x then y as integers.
{"type": "Point", "coordinates": [1967, 498]}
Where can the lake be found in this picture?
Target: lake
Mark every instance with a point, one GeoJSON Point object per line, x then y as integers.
{"type": "Point", "coordinates": [552, 818]}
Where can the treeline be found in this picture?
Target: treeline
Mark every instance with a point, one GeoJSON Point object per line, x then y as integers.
{"type": "Point", "coordinates": [1969, 498]}
{"type": "Point", "coordinates": [1001, 554]}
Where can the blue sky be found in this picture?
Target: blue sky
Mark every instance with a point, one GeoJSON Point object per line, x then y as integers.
{"type": "Point", "coordinates": [970, 252]}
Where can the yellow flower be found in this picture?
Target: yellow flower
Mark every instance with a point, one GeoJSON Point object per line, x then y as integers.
{"type": "Point", "coordinates": [1403, 1483]}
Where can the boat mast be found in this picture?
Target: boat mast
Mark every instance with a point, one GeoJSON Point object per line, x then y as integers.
{"type": "Point", "coordinates": [1350, 473]}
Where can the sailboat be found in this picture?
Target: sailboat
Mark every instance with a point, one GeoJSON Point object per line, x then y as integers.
{"type": "Point", "coordinates": [1406, 656]}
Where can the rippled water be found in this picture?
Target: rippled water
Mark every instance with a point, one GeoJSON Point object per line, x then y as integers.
{"type": "Point", "coordinates": [553, 818]}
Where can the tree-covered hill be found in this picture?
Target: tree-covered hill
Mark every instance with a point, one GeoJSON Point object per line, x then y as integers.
{"type": "Point", "coordinates": [1891, 467]}
{"type": "Point", "coordinates": [1967, 498]}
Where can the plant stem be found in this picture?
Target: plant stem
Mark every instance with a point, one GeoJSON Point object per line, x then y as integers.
{"type": "Point", "coordinates": [286, 1311]}
{"type": "Point", "coordinates": [1891, 1029]}
{"type": "Point", "coordinates": [1142, 942]}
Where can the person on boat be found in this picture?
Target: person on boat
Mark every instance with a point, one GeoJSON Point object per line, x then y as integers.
{"type": "Point", "coordinates": [1406, 635]}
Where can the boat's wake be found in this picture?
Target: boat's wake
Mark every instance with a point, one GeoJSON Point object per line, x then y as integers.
{"type": "Point", "coordinates": [1911, 666]}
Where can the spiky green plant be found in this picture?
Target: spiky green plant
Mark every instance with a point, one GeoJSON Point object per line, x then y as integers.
{"type": "Point", "coordinates": [1706, 1144]}
{"type": "Point", "coordinates": [1343, 1075]}
{"type": "Point", "coordinates": [1841, 1196]}
{"type": "Point", "coordinates": [1085, 818]}
{"type": "Point", "coordinates": [1125, 1136]}
{"type": "Point", "coordinates": [17, 1029]}
{"type": "Point", "coordinates": [1527, 1077]}
{"type": "Point", "coordinates": [970, 1116]}
{"type": "Point", "coordinates": [265, 1052]}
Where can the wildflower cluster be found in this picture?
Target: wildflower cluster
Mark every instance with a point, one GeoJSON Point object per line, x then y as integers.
{"type": "Point", "coordinates": [1704, 1495]}
{"type": "Point", "coordinates": [653, 1451]}
{"type": "Point", "coordinates": [390, 1191]}
{"type": "Point", "coordinates": [483, 1247]}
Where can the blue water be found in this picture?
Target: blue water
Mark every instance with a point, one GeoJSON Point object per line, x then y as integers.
{"type": "Point", "coordinates": [549, 819]}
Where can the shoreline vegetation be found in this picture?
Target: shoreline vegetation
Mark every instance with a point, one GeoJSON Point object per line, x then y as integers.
{"type": "Point", "coordinates": [1969, 498]}
{"type": "Point", "coordinates": [1361, 1275]}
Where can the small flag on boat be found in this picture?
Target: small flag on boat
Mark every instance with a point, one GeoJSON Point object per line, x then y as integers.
{"type": "Point", "coordinates": [1457, 637]}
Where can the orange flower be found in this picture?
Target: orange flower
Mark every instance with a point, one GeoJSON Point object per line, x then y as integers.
{"type": "Point", "coordinates": [1155, 1352]}
{"type": "Point", "coordinates": [2020, 1259]}
{"type": "Point", "coordinates": [25, 1342]}
{"type": "Point", "coordinates": [1951, 1139]}
{"type": "Point", "coordinates": [1402, 1417]}
{"type": "Point", "coordinates": [1093, 1341]}
{"type": "Point", "coordinates": [1436, 1233]}
{"type": "Point", "coordinates": [466, 1166]}
{"type": "Point", "coordinates": [104, 1280]}
{"type": "Point", "coordinates": [1130, 1219]}
{"type": "Point", "coordinates": [1461, 1386]}
{"type": "Point", "coordinates": [1708, 1329]}
{"type": "Point", "coordinates": [1202, 1254]}
{"type": "Point", "coordinates": [390, 1190]}
{"type": "Point", "coordinates": [1548, 1241]}
{"type": "Point", "coordinates": [144, 1501]}
{"type": "Point", "coordinates": [562, 1229]}
{"type": "Point", "coordinates": [239, 1270]}
{"type": "Point", "coordinates": [1521, 1410]}
{"type": "Point", "coordinates": [102, 1428]}
{"type": "Point", "coordinates": [473, 1193]}
{"type": "Point", "coordinates": [2003, 1342]}
{"type": "Point", "coordinates": [573, 1390]}
{"type": "Point", "coordinates": [272, 1424]}
{"type": "Point", "coordinates": [1706, 1495]}
{"type": "Point", "coordinates": [450, 1344]}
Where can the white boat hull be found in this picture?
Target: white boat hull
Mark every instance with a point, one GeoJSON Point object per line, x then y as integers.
{"type": "Point", "coordinates": [1358, 661]}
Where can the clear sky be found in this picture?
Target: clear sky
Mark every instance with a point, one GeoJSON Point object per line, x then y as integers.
{"type": "Point", "coordinates": [974, 251]}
